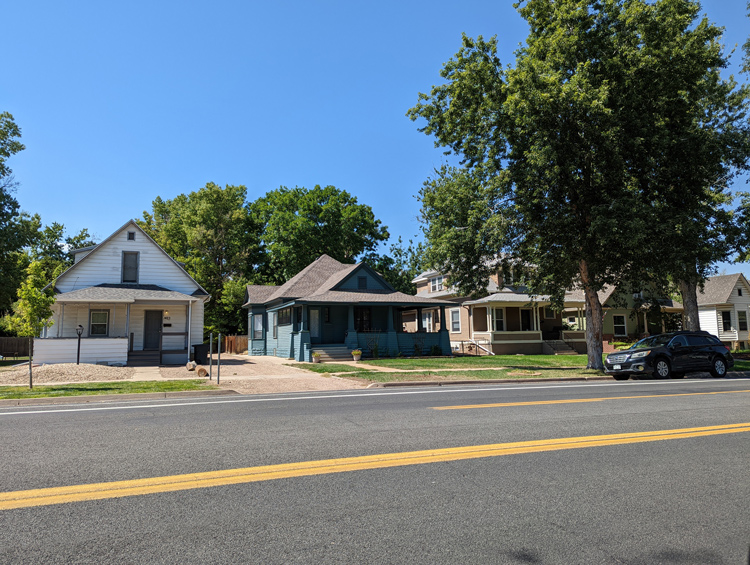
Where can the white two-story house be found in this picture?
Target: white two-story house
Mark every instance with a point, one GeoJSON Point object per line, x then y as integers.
{"type": "Point", "coordinates": [723, 309]}
{"type": "Point", "coordinates": [129, 301]}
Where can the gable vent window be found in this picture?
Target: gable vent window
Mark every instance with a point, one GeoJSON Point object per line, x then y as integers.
{"type": "Point", "coordinates": [131, 236]}
{"type": "Point", "coordinates": [362, 283]}
{"type": "Point", "coordinates": [130, 267]}
{"type": "Point", "coordinates": [739, 292]}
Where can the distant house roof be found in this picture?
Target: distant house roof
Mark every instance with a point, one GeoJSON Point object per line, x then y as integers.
{"type": "Point", "coordinates": [124, 293]}
{"type": "Point", "coordinates": [319, 281]}
{"type": "Point", "coordinates": [577, 295]}
{"type": "Point", "coordinates": [718, 290]}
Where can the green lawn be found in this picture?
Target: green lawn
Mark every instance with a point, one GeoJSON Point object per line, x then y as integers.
{"type": "Point", "coordinates": [115, 387]}
{"type": "Point", "coordinates": [488, 361]}
{"type": "Point", "coordinates": [479, 375]}
{"type": "Point", "coordinates": [329, 367]}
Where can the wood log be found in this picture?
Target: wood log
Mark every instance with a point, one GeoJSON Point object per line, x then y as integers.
{"type": "Point", "coordinates": [191, 365]}
{"type": "Point", "coordinates": [202, 373]}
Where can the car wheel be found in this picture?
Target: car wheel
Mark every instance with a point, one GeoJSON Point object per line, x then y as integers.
{"type": "Point", "coordinates": [662, 369]}
{"type": "Point", "coordinates": [624, 377]}
{"type": "Point", "coordinates": [678, 375]}
{"type": "Point", "coordinates": [719, 367]}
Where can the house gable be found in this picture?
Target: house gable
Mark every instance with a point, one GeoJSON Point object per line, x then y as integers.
{"type": "Point", "coordinates": [363, 279]}
{"type": "Point", "coordinates": [128, 248]}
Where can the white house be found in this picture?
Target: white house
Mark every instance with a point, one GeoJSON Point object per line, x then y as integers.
{"type": "Point", "coordinates": [132, 303]}
{"type": "Point", "coordinates": [723, 307]}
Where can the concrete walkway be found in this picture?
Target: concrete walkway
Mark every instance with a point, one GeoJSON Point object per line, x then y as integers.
{"type": "Point", "coordinates": [147, 374]}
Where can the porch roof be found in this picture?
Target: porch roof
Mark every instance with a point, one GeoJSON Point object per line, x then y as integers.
{"type": "Point", "coordinates": [506, 297]}
{"type": "Point", "coordinates": [125, 293]}
{"type": "Point", "coordinates": [380, 298]}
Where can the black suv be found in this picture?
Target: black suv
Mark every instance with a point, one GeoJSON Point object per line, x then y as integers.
{"type": "Point", "coordinates": [671, 355]}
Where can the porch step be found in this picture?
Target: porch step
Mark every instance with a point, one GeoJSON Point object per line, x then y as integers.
{"type": "Point", "coordinates": [559, 347]}
{"type": "Point", "coordinates": [332, 353]}
{"type": "Point", "coordinates": [143, 359]}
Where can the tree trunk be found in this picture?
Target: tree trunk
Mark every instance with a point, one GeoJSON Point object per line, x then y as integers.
{"type": "Point", "coordinates": [594, 317]}
{"type": "Point", "coordinates": [689, 293]}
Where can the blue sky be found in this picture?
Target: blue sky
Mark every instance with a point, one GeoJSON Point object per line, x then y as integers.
{"type": "Point", "coordinates": [121, 102]}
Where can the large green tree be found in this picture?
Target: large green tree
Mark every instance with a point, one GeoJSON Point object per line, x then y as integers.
{"type": "Point", "coordinates": [563, 148]}
{"type": "Point", "coordinates": [208, 230]}
{"type": "Point", "coordinates": [296, 225]}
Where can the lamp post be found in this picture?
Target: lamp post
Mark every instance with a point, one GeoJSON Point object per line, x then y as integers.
{"type": "Point", "coordinates": [79, 331]}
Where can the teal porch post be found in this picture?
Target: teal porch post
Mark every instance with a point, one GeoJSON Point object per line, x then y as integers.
{"type": "Point", "coordinates": [351, 335]}
{"type": "Point", "coordinates": [391, 337]}
{"type": "Point", "coordinates": [304, 353]}
{"type": "Point", "coordinates": [445, 339]}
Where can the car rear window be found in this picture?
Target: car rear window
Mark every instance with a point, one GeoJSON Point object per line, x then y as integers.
{"type": "Point", "coordinates": [698, 340]}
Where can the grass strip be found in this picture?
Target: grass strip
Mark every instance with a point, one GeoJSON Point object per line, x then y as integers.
{"type": "Point", "coordinates": [488, 361]}
{"type": "Point", "coordinates": [112, 387]}
{"type": "Point", "coordinates": [329, 367]}
{"type": "Point", "coordinates": [509, 374]}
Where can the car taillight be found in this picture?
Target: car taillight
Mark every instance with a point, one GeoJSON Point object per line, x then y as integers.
{"type": "Point", "coordinates": [727, 348]}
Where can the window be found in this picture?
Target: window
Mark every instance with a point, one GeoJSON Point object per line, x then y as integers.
{"type": "Point", "coordinates": [549, 313]}
{"type": "Point", "coordinates": [285, 316]}
{"type": "Point", "coordinates": [361, 319]}
{"type": "Point", "coordinates": [498, 320]}
{"type": "Point", "coordinates": [456, 320]}
{"type": "Point", "coordinates": [257, 326]}
{"type": "Point", "coordinates": [436, 283]}
{"type": "Point", "coordinates": [571, 319]}
{"type": "Point", "coordinates": [427, 321]}
{"type": "Point", "coordinates": [362, 283]}
{"type": "Point", "coordinates": [131, 236]}
{"type": "Point", "coordinates": [130, 267]}
{"type": "Point", "coordinates": [739, 292]}
{"type": "Point", "coordinates": [620, 327]}
{"type": "Point", "coordinates": [99, 325]}
{"type": "Point", "coordinates": [275, 323]}
{"type": "Point", "coordinates": [327, 315]}
{"type": "Point", "coordinates": [742, 321]}
{"type": "Point", "coordinates": [726, 321]}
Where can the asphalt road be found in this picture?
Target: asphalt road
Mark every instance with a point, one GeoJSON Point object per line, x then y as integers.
{"type": "Point", "coordinates": [680, 498]}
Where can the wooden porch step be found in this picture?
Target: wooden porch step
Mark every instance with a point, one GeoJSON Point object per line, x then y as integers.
{"type": "Point", "coordinates": [143, 359]}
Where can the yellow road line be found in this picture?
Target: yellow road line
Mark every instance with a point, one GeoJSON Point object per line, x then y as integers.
{"type": "Point", "coordinates": [118, 489]}
{"type": "Point", "coordinates": [577, 400]}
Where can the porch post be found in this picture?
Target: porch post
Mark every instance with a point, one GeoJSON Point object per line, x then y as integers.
{"type": "Point", "coordinates": [127, 324]}
{"type": "Point", "coordinates": [88, 321]}
{"type": "Point", "coordinates": [114, 316]}
{"type": "Point", "coordinates": [443, 337]}
{"type": "Point", "coordinates": [391, 339]}
{"type": "Point", "coordinates": [488, 311]}
{"type": "Point", "coordinates": [62, 321]}
{"type": "Point", "coordinates": [188, 322]}
{"type": "Point", "coordinates": [351, 335]}
{"type": "Point", "coordinates": [420, 327]}
{"type": "Point", "coordinates": [304, 336]}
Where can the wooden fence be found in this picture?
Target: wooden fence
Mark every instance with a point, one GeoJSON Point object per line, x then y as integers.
{"type": "Point", "coordinates": [14, 347]}
{"type": "Point", "coordinates": [235, 344]}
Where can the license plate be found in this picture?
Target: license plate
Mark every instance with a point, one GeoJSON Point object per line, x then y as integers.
{"type": "Point", "coordinates": [616, 367]}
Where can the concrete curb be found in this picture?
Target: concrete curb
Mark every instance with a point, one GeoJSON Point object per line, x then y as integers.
{"type": "Point", "coordinates": [87, 399]}
{"type": "Point", "coordinates": [488, 382]}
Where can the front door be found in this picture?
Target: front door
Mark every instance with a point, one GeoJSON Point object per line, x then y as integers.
{"type": "Point", "coordinates": [152, 329]}
{"type": "Point", "coordinates": [314, 325]}
{"type": "Point", "coordinates": [526, 321]}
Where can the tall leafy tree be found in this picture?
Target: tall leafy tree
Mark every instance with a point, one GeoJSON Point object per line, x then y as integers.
{"type": "Point", "coordinates": [295, 226]}
{"type": "Point", "coordinates": [208, 230]}
{"type": "Point", "coordinates": [558, 146]}
{"type": "Point", "coordinates": [400, 265]}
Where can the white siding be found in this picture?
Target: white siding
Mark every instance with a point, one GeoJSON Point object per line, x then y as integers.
{"type": "Point", "coordinates": [104, 265]}
{"type": "Point", "coordinates": [99, 350]}
{"type": "Point", "coordinates": [196, 324]}
{"type": "Point", "coordinates": [707, 317]}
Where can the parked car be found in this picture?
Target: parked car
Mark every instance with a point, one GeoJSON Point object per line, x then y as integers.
{"type": "Point", "coordinates": [671, 355]}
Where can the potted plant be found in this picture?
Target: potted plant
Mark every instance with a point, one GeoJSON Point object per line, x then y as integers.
{"type": "Point", "coordinates": [357, 354]}
{"type": "Point", "coordinates": [316, 357]}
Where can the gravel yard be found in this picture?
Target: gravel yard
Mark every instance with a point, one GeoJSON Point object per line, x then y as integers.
{"type": "Point", "coordinates": [65, 373]}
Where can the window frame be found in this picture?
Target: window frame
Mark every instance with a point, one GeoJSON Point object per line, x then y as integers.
{"type": "Point", "coordinates": [131, 236]}
{"type": "Point", "coordinates": [549, 313]}
{"type": "Point", "coordinates": [726, 322]}
{"type": "Point", "coordinates": [92, 323]}
{"type": "Point", "coordinates": [437, 283]}
{"type": "Point", "coordinates": [456, 321]}
{"type": "Point", "coordinates": [258, 321]}
{"type": "Point", "coordinates": [137, 267]}
{"type": "Point", "coordinates": [361, 282]}
{"type": "Point", "coordinates": [624, 325]}
{"type": "Point", "coordinates": [275, 324]}
{"type": "Point", "coordinates": [494, 319]}
{"type": "Point", "coordinates": [740, 322]}
{"type": "Point", "coordinates": [285, 316]}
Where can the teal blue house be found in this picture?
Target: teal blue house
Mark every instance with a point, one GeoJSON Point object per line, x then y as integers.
{"type": "Point", "coordinates": [333, 308]}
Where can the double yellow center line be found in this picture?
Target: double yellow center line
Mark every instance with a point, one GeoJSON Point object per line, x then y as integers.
{"type": "Point", "coordinates": [118, 489]}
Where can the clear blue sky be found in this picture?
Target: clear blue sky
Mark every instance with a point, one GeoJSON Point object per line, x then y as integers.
{"type": "Point", "coordinates": [121, 102]}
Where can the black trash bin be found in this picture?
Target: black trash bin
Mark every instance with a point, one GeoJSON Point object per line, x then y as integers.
{"type": "Point", "coordinates": [200, 354]}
